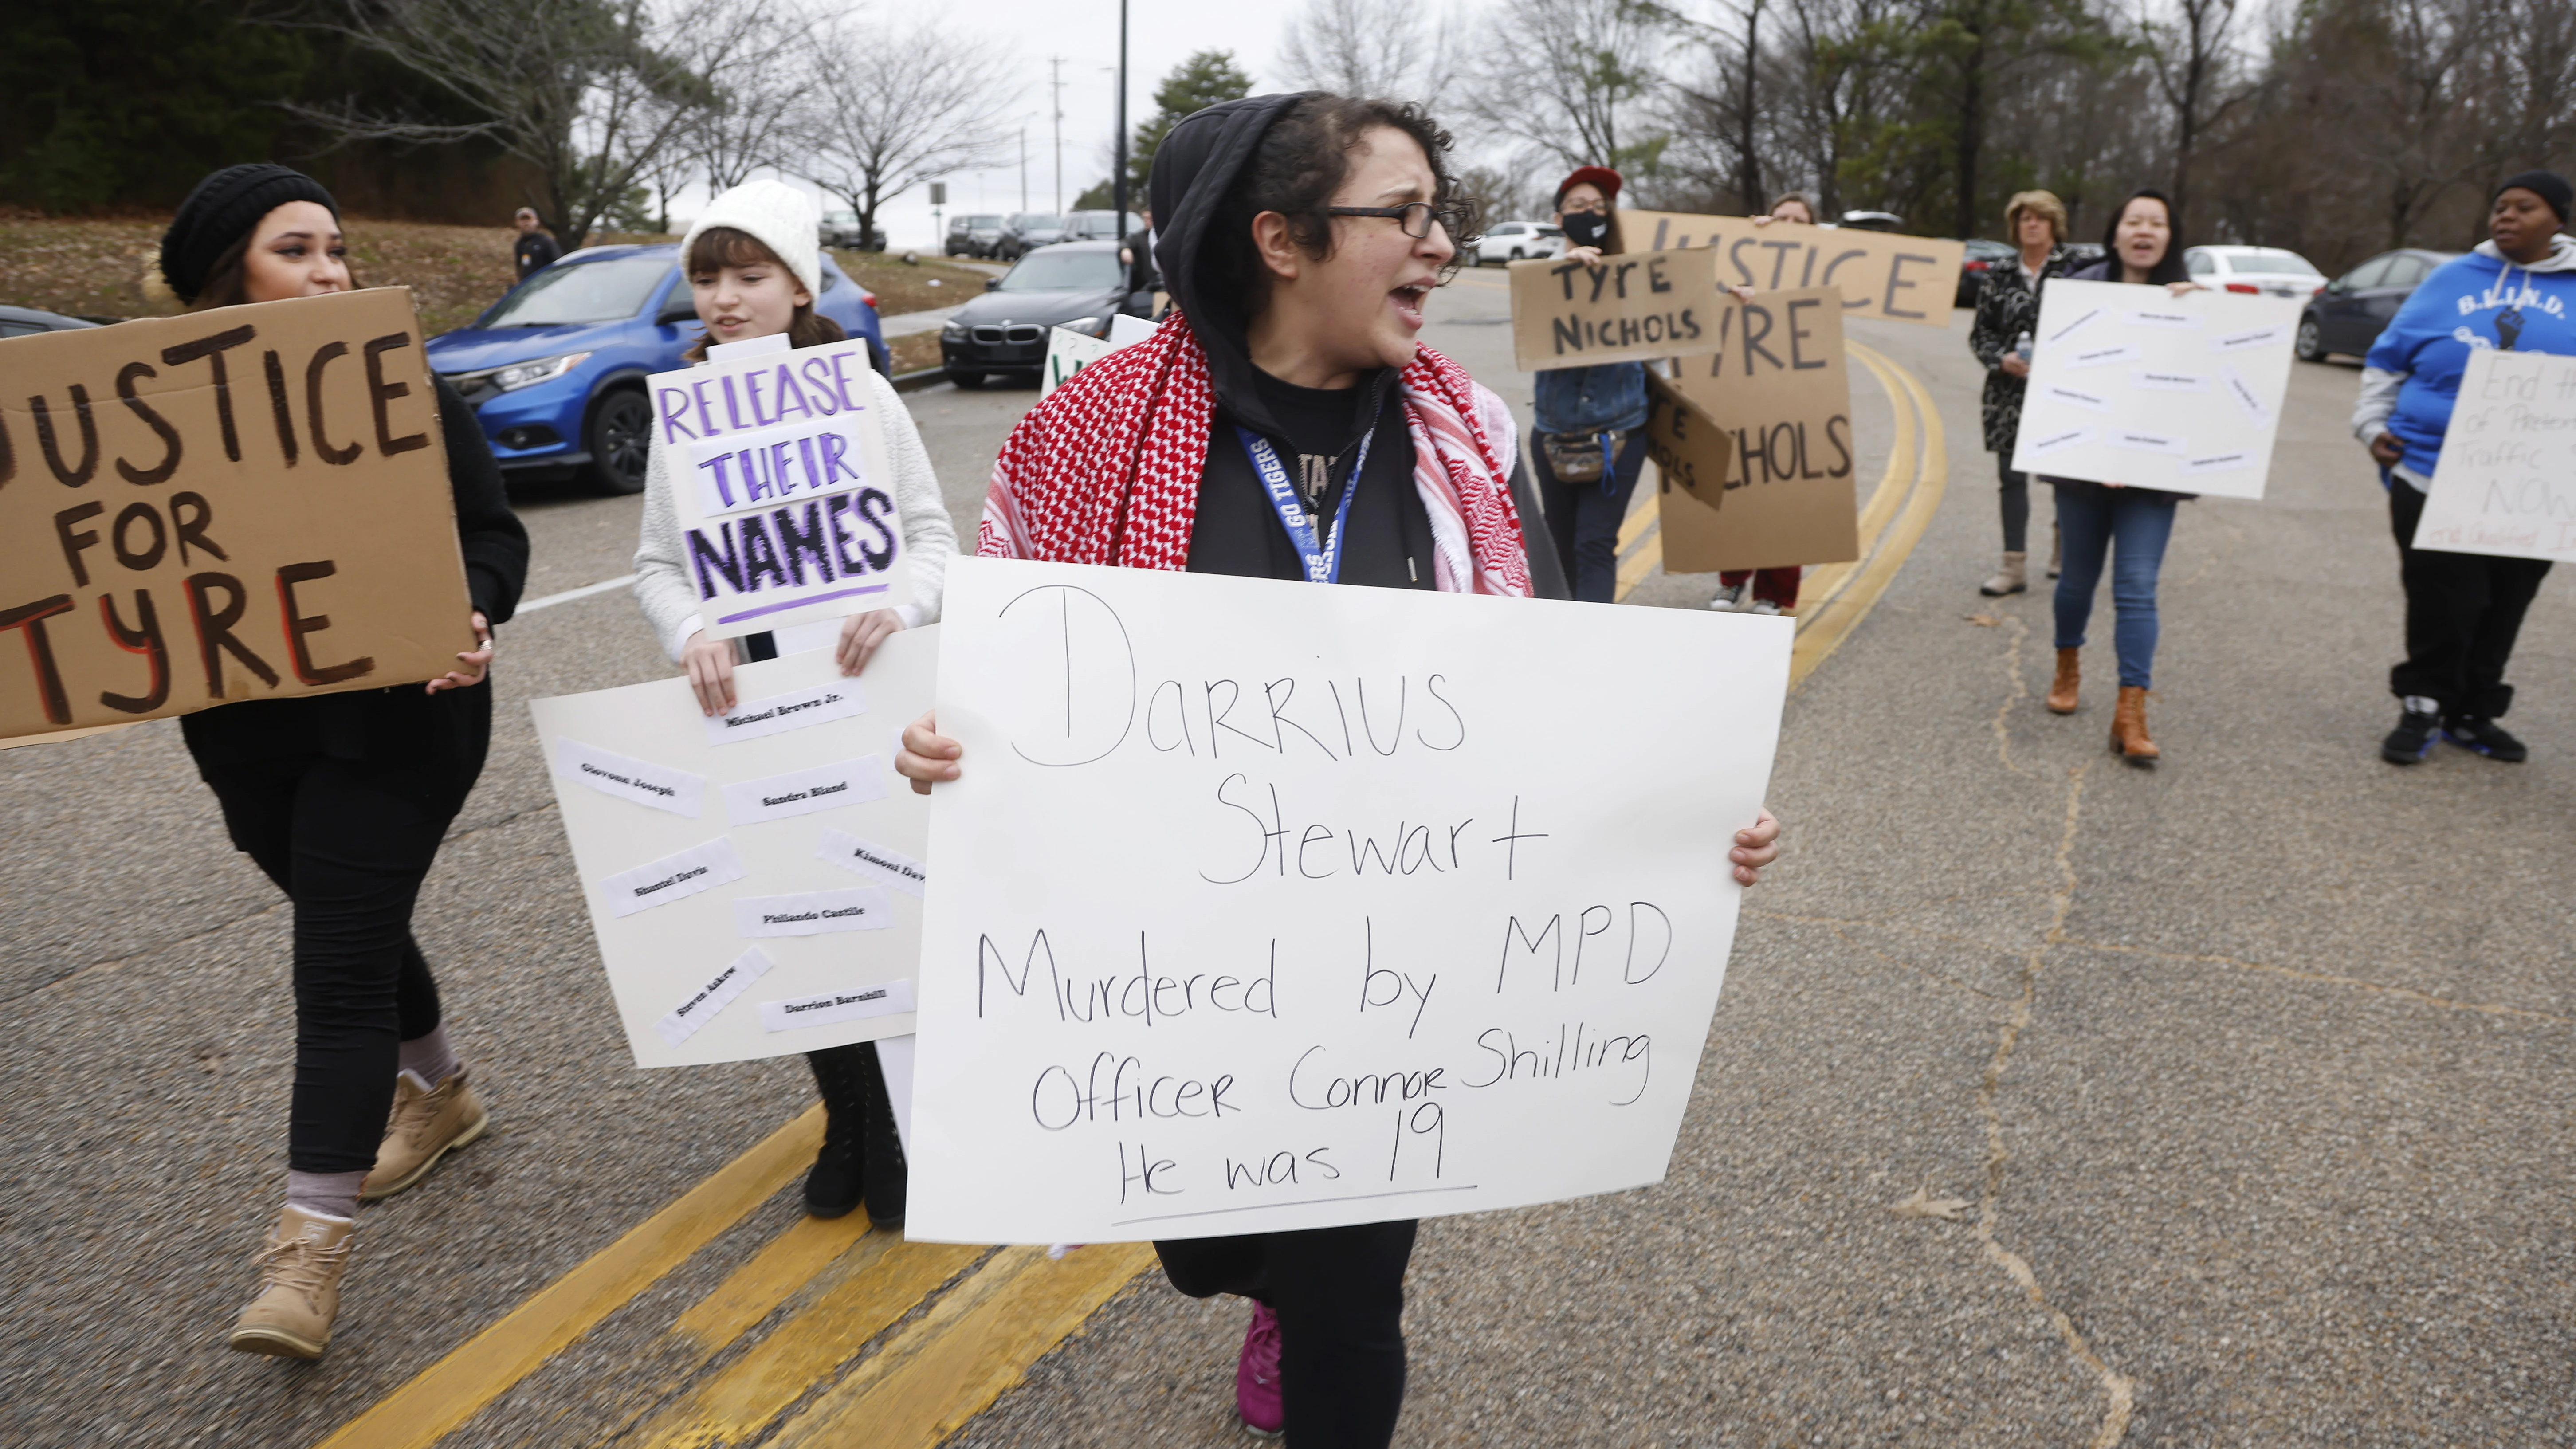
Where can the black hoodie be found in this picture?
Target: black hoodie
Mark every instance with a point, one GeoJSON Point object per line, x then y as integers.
{"type": "Point", "coordinates": [1236, 530]}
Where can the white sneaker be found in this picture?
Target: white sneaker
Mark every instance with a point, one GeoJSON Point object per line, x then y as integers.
{"type": "Point", "coordinates": [1730, 597]}
{"type": "Point", "coordinates": [1762, 606]}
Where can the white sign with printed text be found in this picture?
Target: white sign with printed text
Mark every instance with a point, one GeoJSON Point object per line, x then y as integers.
{"type": "Point", "coordinates": [786, 499]}
{"type": "Point", "coordinates": [722, 926]}
{"type": "Point", "coordinates": [2506, 484]}
{"type": "Point", "coordinates": [1269, 906]}
{"type": "Point", "coordinates": [2133, 385]}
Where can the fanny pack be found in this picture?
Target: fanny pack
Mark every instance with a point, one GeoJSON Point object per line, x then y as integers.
{"type": "Point", "coordinates": [1581, 457]}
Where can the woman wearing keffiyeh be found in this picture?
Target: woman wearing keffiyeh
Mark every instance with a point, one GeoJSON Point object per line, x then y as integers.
{"type": "Point", "coordinates": [1300, 236]}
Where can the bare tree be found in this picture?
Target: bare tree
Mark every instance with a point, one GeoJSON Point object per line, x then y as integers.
{"type": "Point", "coordinates": [591, 93]}
{"type": "Point", "coordinates": [891, 109]}
{"type": "Point", "coordinates": [1571, 79]}
{"type": "Point", "coordinates": [1395, 49]}
{"type": "Point", "coordinates": [759, 91]}
{"type": "Point", "coordinates": [1728, 110]}
{"type": "Point", "coordinates": [2192, 53]}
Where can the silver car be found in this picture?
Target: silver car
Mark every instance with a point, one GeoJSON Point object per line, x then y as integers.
{"type": "Point", "coordinates": [2260, 271]}
{"type": "Point", "coordinates": [1512, 241]}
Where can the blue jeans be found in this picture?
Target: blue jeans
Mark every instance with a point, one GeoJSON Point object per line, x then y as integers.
{"type": "Point", "coordinates": [1583, 518]}
{"type": "Point", "coordinates": [2131, 525]}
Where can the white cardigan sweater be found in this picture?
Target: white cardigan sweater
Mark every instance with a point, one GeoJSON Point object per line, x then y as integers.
{"type": "Point", "coordinates": [661, 572]}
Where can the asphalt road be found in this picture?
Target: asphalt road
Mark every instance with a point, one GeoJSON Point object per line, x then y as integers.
{"type": "Point", "coordinates": [2251, 1073]}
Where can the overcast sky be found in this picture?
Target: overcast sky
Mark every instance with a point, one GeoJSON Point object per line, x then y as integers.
{"type": "Point", "coordinates": [1161, 34]}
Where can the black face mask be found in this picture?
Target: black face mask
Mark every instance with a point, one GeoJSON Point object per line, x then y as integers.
{"type": "Point", "coordinates": [1586, 228]}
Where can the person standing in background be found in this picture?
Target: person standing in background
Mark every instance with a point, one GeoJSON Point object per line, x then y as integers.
{"type": "Point", "coordinates": [2007, 310]}
{"type": "Point", "coordinates": [1590, 441]}
{"type": "Point", "coordinates": [2516, 292]}
{"type": "Point", "coordinates": [535, 246]}
{"type": "Point", "coordinates": [1137, 256]}
{"type": "Point", "coordinates": [342, 800]}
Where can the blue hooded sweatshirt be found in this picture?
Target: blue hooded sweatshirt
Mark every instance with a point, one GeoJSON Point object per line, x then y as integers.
{"type": "Point", "coordinates": [2473, 301]}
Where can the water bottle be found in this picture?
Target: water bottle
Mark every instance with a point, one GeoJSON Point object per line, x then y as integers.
{"type": "Point", "coordinates": [2021, 348]}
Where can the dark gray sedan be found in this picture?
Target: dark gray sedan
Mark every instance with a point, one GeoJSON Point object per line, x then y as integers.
{"type": "Point", "coordinates": [1080, 285]}
{"type": "Point", "coordinates": [2348, 313]}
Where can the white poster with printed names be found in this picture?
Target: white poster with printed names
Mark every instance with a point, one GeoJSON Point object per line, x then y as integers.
{"type": "Point", "coordinates": [2506, 484]}
{"type": "Point", "coordinates": [2132, 384]}
{"type": "Point", "coordinates": [755, 879]}
{"type": "Point", "coordinates": [786, 496]}
{"type": "Point", "coordinates": [1264, 906]}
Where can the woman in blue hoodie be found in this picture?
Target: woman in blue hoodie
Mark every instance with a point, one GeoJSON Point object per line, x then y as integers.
{"type": "Point", "coordinates": [2517, 291]}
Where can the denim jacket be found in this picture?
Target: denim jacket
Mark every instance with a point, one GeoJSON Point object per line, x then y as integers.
{"type": "Point", "coordinates": [1608, 398]}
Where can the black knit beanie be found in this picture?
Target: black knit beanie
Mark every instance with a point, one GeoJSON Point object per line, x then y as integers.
{"type": "Point", "coordinates": [2549, 186]}
{"type": "Point", "coordinates": [227, 204]}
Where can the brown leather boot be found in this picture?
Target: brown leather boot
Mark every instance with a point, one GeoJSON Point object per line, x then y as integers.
{"type": "Point", "coordinates": [2061, 695]}
{"type": "Point", "coordinates": [2129, 727]}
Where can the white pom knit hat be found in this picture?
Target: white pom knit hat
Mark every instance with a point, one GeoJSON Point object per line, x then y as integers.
{"type": "Point", "coordinates": [782, 218]}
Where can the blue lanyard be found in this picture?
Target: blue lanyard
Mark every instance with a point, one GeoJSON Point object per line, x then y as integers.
{"type": "Point", "coordinates": [1324, 561]}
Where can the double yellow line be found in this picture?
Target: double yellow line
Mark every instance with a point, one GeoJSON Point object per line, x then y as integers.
{"type": "Point", "coordinates": [1835, 598]}
{"type": "Point", "coordinates": [827, 1291]}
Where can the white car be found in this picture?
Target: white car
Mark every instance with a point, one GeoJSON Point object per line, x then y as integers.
{"type": "Point", "coordinates": [2263, 271]}
{"type": "Point", "coordinates": [1512, 241]}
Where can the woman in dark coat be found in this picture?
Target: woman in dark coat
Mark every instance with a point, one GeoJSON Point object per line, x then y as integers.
{"type": "Point", "coordinates": [2007, 311]}
{"type": "Point", "coordinates": [342, 799]}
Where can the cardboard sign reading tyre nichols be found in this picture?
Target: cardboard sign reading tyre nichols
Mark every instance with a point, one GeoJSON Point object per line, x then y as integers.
{"type": "Point", "coordinates": [1268, 906]}
{"type": "Point", "coordinates": [246, 503]}
{"type": "Point", "coordinates": [1628, 309]}
{"type": "Point", "coordinates": [754, 880]}
{"type": "Point", "coordinates": [1880, 274]}
{"type": "Point", "coordinates": [1780, 391]}
{"type": "Point", "coordinates": [786, 502]}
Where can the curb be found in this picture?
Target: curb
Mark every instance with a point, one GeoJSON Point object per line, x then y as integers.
{"type": "Point", "coordinates": [916, 381]}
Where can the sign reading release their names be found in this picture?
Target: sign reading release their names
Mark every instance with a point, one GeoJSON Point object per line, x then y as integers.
{"type": "Point", "coordinates": [1880, 274]}
{"type": "Point", "coordinates": [2507, 480]}
{"type": "Point", "coordinates": [786, 500]}
{"type": "Point", "coordinates": [736, 879]}
{"type": "Point", "coordinates": [1627, 309]}
{"type": "Point", "coordinates": [1269, 906]}
{"type": "Point", "coordinates": [2134, 385]}
{"type": "Point", "coordinates": [246, 503]}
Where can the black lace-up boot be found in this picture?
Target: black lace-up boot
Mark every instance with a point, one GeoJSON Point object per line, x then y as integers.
{"type": "Point", "coordinates": [839, 1176]}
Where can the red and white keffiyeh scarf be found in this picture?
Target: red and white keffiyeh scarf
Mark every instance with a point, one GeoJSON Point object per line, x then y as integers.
{"type": "Point", "coordinates": [1107, 469]}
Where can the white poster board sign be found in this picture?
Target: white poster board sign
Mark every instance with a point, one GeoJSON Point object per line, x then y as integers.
{"type": "Point", "coordinates": [1069, 352]}
{"type": "Point", "coordinates": [2506, 484]}
{"type": "Point", "coordinates": [1270, 906]}
{"type": "Point", "coordinates": [2131, 384]}
{"type": "Point", "coordinates": [786, 500]}
{"type": "Point", "coordinates": [755, 881]}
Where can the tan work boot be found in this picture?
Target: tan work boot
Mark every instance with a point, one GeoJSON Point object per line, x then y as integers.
{"type": "Point", "coordinates": [425, 1126]}
{"type": "Point", "coordinates": [299, 1286]}
{"type": "Point", "coordinates": [2129, 728]}
{"type": "Point", "coordinates": [2012, 578]}
{"type": "Point", "coordinates": [2061, 694]}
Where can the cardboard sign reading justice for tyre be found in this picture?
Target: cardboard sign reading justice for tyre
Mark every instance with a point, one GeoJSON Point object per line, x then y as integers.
{"type": "Point", "coordinates": [245, 503]}
{"type": "Point", "coordinates": [1880, 274]}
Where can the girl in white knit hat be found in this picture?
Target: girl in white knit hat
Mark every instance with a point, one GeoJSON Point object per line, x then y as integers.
{"type": "Point", "coordinates": [753, 268]}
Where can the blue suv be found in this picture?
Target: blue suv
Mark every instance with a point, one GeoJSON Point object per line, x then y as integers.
{"type": "Point", "coordinates": [555, 370]}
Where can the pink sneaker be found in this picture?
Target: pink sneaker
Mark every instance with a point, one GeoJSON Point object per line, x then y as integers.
{"type": "Point", "coordinates": [1256, 1376]}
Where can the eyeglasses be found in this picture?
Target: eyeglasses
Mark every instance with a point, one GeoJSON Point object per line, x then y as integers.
{"type": "Point", "coordinates": [1415, 217]}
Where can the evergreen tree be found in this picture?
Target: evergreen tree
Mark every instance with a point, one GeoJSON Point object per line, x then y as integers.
{"type": "Point", "coordinates": [1201, 81]}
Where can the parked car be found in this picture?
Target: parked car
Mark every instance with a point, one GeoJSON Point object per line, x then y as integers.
{"type": "Point", "coordinates": [1512, 241]}
{"type": "Point", "coordinates": [1070, 284]}
{"type": "Point", "coordinates": [841, 229]}
{"type": "Point", "coordinates": [555, 370]}
{"type": "Point", "coordinates": [1099, 226]}
{"type": "Point", "coordinates": [1873, 221]}
{"type": "Point", "coordinates": [1982, 257]}
{"type": "Point", "coordinates": [2263, 271]}
{"type": "Point", "coordinates": [21, 321]}
{"type": "Point", "coordinates": [2348, 314]}
{"type": "Point", "coordinates": [973, 235]}
{"type": "Point", "coordinates": [1025, 231]}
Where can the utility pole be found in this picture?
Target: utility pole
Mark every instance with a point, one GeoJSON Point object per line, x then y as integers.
{"type": "Point", "coordinates": [1024, 168]}
{"type": "Point", "coordinates": [1057, 62]}
{"type": "Point", "coordinates": [1118, 178]}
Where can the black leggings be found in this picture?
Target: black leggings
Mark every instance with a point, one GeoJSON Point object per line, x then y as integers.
{"type": "Point", "coordinates": [350, 845]}
{"type": "Point", "coordinates": [2463, 611]}
{"type": "Point", "coordinates": [2016, 505]}
{"type": "Point", "coordinates": [1339, 1294]}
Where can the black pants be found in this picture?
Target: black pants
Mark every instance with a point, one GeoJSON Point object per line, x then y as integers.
{"type": "Point", "coordinates": [1339, 1294]}
{"type": "Point", "coordinates": [2016, 496]}
{"type": "Point", "coordinates": [2462, 613]}
{"type": "Point", "coordinates": [1584, 518]}
{"type": "Point", "coordinates": [349, 843]}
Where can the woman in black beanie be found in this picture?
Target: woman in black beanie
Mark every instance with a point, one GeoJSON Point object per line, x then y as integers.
{"type": "Point", "coordinates": [342, 800]}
